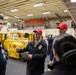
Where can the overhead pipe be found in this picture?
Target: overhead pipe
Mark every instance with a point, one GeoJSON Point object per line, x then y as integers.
{"type": "Point", "coordinates": [59, 17]}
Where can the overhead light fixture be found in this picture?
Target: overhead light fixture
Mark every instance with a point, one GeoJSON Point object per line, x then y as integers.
{"type": "Point", "coordinates": [65, 10]}
{"type": "Point", "coordinates": [18, 20]}
{"type": "Point", "coordinates": [1, 14]}
{"type": "Point", "coordinates": [30, 15]}
{"type": "Point", "coordinates": [16, 17]}
{"type": "Point", "coordinates": [6, 21]}
{"type": "Point", "coordinates": [46, 12]}
{"type": "Point", "coordinates": [6, 17]}
{"type": "Point", "coordinates": [14, 10]}
{"type": "Point", "coordinates": [38, 4]}
{"type": "Point", "coordinates": [73, 0]}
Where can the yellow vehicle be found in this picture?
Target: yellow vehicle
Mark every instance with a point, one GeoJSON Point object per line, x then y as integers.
{"type": "Point", "coordinates": [17, 39]}
{"type": "Point", "coordinates": [3, 36]}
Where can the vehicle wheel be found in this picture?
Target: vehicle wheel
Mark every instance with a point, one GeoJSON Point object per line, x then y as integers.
{"type": "Point", "coordinates": [22, 59]}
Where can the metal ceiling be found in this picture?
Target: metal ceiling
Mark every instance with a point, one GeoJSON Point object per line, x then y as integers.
{"type": "Point", "coordinates": [26, 7]}
{"type": "Point", "coordinates": [71, 7]}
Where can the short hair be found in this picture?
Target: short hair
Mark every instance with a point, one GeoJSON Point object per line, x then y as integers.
{"type": "Point", "coordinates": [66, 45]}
{"type": "Point", "coordinates": [1, 17]}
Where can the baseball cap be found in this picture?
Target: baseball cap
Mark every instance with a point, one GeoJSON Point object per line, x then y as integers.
{"type": "Point", "coordinates": [38, 31]}
{"type": "Point", "coordinates": [63, 26]}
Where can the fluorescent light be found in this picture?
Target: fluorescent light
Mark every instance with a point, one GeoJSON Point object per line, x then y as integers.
{"type": "Point", "coordinates": [1, 14]}
{"type": "Point", "coordinates": [14, 10]}
{"type": "Point", "coordinates": [6, 17]}
{"type": "Point", "coordinates": [30, 15]}
{"type": "Point", "coordinates": [65, 10]}
{"type": "Point", "coordinates": [73, 0]}
{"type": "Point", "coordinates": [46, 12]}
{"type": "Point", "coordinates": [16, 17]}
{"type": "Point", "coordinates": [18, 20]}
{"type": "Point", "coordinates": [6, 21]}
{"type": "Point", "coordinates": [39, 4]}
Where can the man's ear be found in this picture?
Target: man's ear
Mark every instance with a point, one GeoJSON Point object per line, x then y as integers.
{"type": "Point", "coordinates": [54, 53]}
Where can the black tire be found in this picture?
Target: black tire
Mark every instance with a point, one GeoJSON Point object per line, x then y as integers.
{"type": "Point", "coordinates": [22, 59]}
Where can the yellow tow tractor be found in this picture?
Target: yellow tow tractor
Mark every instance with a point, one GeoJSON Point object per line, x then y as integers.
{"type": "Point", "coordinates": [17, 39]}
{"type": "Point", "coordinates": [3, 37]}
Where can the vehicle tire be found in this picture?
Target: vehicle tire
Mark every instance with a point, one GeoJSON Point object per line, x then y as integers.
{"type": "Point", "coordinates": [22, 59]}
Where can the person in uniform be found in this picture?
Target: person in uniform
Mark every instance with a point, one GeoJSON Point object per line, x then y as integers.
{"type": "Point", "coordinates": [37, 51]}
{"type": "Point", "coordinates": [3, 61]}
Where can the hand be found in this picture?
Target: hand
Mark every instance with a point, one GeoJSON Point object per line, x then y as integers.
{"type": "Point", "coordinates": [3, 51]}
{"type": "Point", "coordinates": [50, 62]}
{"type": "Point", "coordinates": [17, 48]}
{"type": "Point", "coordinates": [29, 56]}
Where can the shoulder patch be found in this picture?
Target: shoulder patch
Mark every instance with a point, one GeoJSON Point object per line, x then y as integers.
{"type": "Point", "coordinates": [40, 47]}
